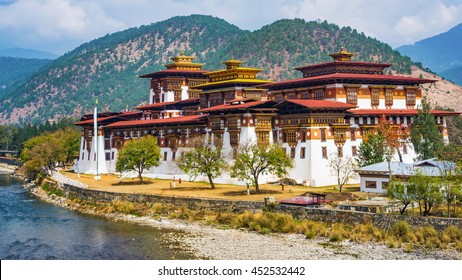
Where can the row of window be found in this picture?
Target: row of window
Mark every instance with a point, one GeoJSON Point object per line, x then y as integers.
{"type": "Point", "coordinates": [373, 185]}
{"type": "Point", "coordinates": [323, 150]}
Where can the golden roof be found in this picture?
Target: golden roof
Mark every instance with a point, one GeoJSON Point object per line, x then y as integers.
{"type": "Point", "coordinates": [184, 61]}
{"type": "Point", "coordinates": [342, 55]}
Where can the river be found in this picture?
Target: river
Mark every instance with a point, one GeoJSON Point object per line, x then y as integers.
{"type": "Point", "coordinates": [33, 229]}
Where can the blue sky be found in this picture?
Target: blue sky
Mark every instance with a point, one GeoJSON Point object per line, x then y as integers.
{"type": "Point", "coordinates": [61, 25]}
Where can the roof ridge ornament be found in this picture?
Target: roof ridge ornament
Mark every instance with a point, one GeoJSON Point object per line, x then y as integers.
{"type": "Point", "coordinates": [342, 55]}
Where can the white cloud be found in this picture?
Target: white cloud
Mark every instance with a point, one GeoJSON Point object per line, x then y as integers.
{"type": "Point", "coordinates": [70, 22]}
{"type": "Point", "coordinates": [32, 21]}
{"type": "Point", "coordinates": [435, 18]}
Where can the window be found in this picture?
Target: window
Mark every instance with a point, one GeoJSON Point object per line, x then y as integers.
{"type": "Point", "coordinates": [340, 151]}
{"type": "Point", "coordinates": [354, 152]}
{"type": "Point", "coordinates": [303, 136]}
{"type": "Point", "coordinates": [319, 94]}
{"type": "Point", "coordinates": [292, 152]}
{"type": "Point", "coordinates": [165, 156]}
{"type": "Point", "coordinates": [82, 156]}
{"type": "Point", "coordinates": [291, 137]}
{"type": "Point", "coordinates": [173, 156]}
{"type": "Point", "coordinates": [352, 96]}
{"type": "Point", "coordinates": [375, 97]}
{"type": "Point", "coordinates": [108, 156]}
{"type": "Point", "coordinates": [323, 135]}
{"type": "Point", "coordinates": [405, 149]}
{"type": "Point", "coordinates": [324, 152]}
{"type": "Point", "coordinates": [263, 137]}
{"type": "Point", "coordinates": [107, 144]}
{"type": "Point", "coordinates": [353, 135]}
{"type": "Point", "coordinates": [234, 138]}
{"type": "Point", "coordinates": [410, 98]}
{"type": "Point", "coordinates": [113, 154]}
{"type": "Point", "coordinates": [389, 98]}
{"type": "Point", "coordinates": [371, 184]}
{"type": "Point", "coordinates": [302, 152]}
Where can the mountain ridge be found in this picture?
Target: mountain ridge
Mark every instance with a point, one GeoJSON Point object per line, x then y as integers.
{"type": "Point", "coordinates": [440, 52]}
{"type": "Point", "coordinates": [107, 68]}
{"type": "Point", "coordinates": [27, 53]}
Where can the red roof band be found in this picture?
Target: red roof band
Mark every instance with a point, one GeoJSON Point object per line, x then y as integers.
{"type": "Point", "coordinates": [173, 120]}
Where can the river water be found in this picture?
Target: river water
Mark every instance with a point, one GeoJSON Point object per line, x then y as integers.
{"type": "Point", "coordinates": [33, 229]}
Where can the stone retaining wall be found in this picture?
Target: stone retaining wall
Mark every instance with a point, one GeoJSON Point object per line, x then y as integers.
{"type": "Point", "coordinates": [384, 221]}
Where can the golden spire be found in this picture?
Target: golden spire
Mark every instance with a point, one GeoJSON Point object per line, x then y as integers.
{"type": "Point", "coordinates": [232, 63]}
{"type": "Point", "coordinates": [342, 55]}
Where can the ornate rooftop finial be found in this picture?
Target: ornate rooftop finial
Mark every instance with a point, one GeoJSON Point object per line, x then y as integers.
{"type": "Point", "coordinates": [342, 55]}
{"type": "Point", "coordinates": [182, 52]}
{"type": "Point", "coordinates": [232, 63]}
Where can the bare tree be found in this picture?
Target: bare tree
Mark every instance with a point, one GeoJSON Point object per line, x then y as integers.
{"type": "Point", "coordinates": [343, 168]}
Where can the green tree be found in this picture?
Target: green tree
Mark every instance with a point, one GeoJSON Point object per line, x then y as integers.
{"type": "Point", "coordinates": [43, 153]}
{"type": "Point", "coordinates": [7, 135]}
{"type": "Point", "coordinates": [451, 171]}
{"type": "Point", "coordinates": [253, 160]}
{"type": "Point", "coordinates": [138, 155]}
{"type": "Point", "coordinates": [69, 144]}
{"type": "Point", "coordinates": [343, 168]}
{"type": "Point", "coordinates": [426, 191]}
{"type": "Point", "coordinates": [425, 136]}
{"type": "Point", "coordinates": [397, 190]}
{"type": "Point", "coordinates": [371, 150]}
{"type": "Point", "coordinates": [204, 158]}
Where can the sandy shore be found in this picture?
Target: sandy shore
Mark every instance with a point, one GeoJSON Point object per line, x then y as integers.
{"type": "Point", "coordinates": [211, 242]}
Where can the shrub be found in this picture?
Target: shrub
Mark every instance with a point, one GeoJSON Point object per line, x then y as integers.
{"type": "Point", "coordinates": [400, 229]}
{"type": "Point", "coordinates": [225, 218]}
{"type": "Point", "coordinates": [453, 233]}
{"type": "Point", "coordinates": [125, 207]}
{"type": "Point", "coordinates": [309, 234]}
{"type": "Point", "coordinates": [338, 233]}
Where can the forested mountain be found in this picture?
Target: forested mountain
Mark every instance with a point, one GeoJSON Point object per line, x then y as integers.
{"type": "Point", "coordinates": [453, 74]}
{"type": "Point", "coordinates": [14, 70]}
{"type": "Point", "coordinates": [440, 52]}
{"type": "Point", "coordinates": [108, 68]}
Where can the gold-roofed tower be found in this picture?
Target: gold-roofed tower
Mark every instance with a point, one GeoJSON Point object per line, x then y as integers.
{"type": "Point", "coordinates": [342, 55]}
{"type": "Point", "coordinates": [234, 82]}
{"type": "Point", "coordinates": [183, 62]}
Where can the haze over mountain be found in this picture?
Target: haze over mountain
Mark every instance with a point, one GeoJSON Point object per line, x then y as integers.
{"type": "Point", "coordinates": [27, 53]}
{"type": "Point", "coordinates": [108, 68]}
{"type": "Point", "coordinates": [441, 53]}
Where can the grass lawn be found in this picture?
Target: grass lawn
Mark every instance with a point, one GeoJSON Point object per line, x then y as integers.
{"type": "Point", "coordinates": [110, 183]}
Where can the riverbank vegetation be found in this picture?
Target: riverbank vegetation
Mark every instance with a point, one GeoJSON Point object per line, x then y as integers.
{"type": "Point", "coordinates": [12, 138]}
{"type": "Point", "coordinates": [44, 153]}
{"type": "Point", "coordinates": [267, 221]}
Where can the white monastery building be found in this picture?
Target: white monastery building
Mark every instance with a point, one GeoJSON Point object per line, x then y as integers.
{"type": "Point", "coordinates": [325, 113]}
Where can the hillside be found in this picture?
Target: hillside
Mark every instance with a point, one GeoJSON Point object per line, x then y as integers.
{"type": "Point", "coordinates": [13, 71]}
{"type": "Point", "coordinates": [443, 93]}
{"type": "Point", "coordinates": [440, 52]}
{"type": "Point", "coordinates": [108, 68]}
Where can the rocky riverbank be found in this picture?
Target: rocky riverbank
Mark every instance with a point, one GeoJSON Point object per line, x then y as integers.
{"type": "Point", "coordinates": [211, 242]}
{"type": "Point", "coordinates": [5, 168]}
